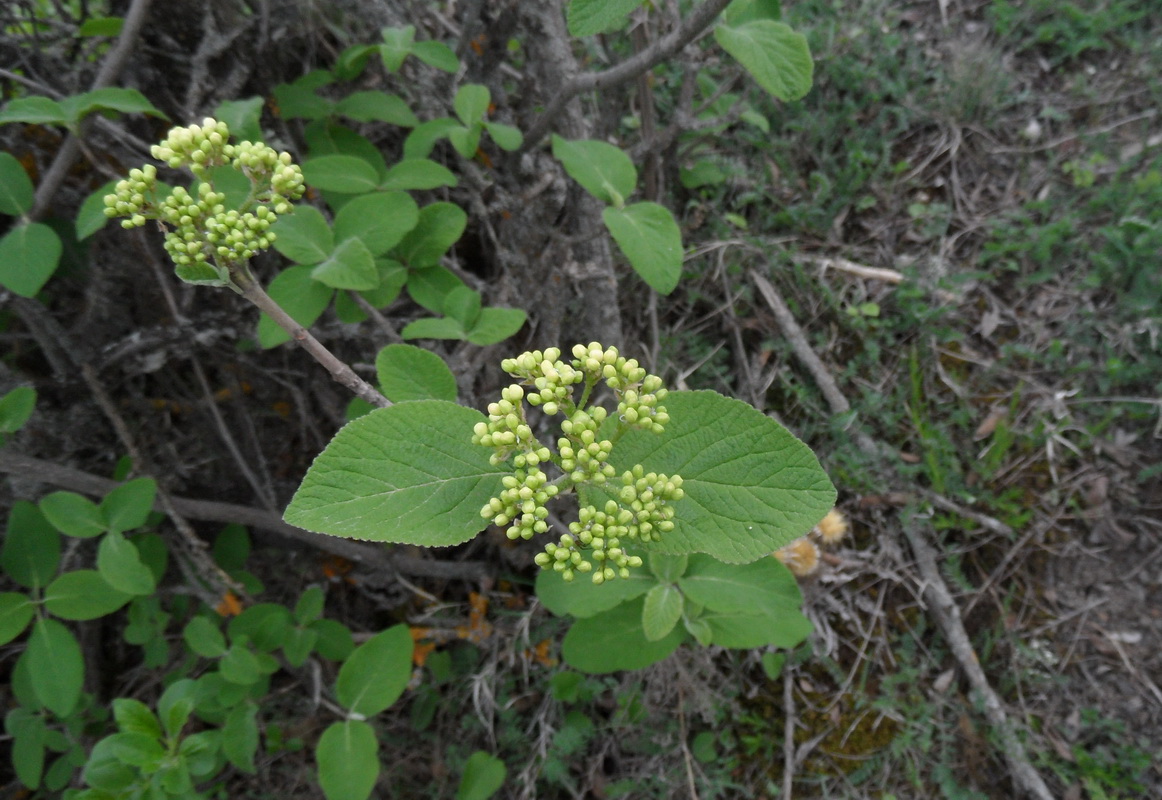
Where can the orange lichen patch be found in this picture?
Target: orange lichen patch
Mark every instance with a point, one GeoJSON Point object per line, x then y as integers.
{"type": "Point", "coordinates": [422, 649]}
{"type": "Point", "coordinates": [229, 605]}
{"type": "Point", "coordinates": [800, 556]}
{"type": "Point", "coordinates": [477, 44]}
{"type": "Point", "coordinates": [540, 653]}
{"type": "Point", "coordinates": [335, 568]}
{"type": "Point", "coordinates": [483, 158]}
{"type": "Point", "coordinates": [478, 628]}
{"type": "Point", "coordinates": [222, 395]}
{"type": "Point", "coordinates": [282, 408]}
{"type": "Point", "coordinates": [832, 528]}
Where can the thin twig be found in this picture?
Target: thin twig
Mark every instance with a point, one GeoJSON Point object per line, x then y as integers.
{"type": "Point", "coordinates": [627, 70]}
{"type": "Point", "coordinates": [340, 371]}
{"type": "Point", "coordinates": [788, 730]}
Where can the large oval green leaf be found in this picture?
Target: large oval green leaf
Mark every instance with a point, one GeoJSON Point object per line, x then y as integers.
{"type": "Point", "coordinates": [32, 547]}
{"type": "Point", "coordinates": [375, 675]}
{"type": "Point", "coordinates": [581, 597]}
{"type": "Point", "coordinates": [346, 755]}
{"type": "Point", "coordinates": [55, 666]}
{"type": "Point", "coordinates": [29, 255]}
{"type": "Point", "coordinates": [340, 173]}
{"type": "Point", "coordinates": [16, 190]}
{"type": "Point", "coordinates": [83, 594]}
{"type": "Point", "coordinates": [605, 171]}
{"type": "Point", "coordinates": [407, 474]}
{"type": "Point", "coordinates": [407, 372]}
{"type": "Point", "coordinates": [380, 219]}
{"type": "Point", "coordinates": [440, 226]}
{"type": "Point", "coordinates": [350, 266]}
{"type": "Point", "coordinates": [760, 586]}
{"type": "Point", "coordinates": [661, 611]}
{"type": "Point", "coordinates": [750, 485]}
{"type": "Point", "coordinates": [16, 611]}
{"type": "Point", "coordinates": [304, 236]}
{"type": "Point", "coordinates": [614, 640]}
{"type": "Point", "coordinates": [776, 56]}
{"type": "Point", "coordinates": [651, 240]}
{"type": "Point", "coordinates": [588, 17]}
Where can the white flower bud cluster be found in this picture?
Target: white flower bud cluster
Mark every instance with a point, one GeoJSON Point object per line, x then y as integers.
{"type": "Point", "coordinates": [201, 227]}
{"type": "Point", "coordinates": [597, 542]}
{"type": "Point", "coordinates": [521, 505]}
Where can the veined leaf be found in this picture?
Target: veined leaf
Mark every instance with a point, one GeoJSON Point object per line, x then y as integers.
{"type": "Point", "coordinates": [605, 171]}
{"type": "Point", "coordinates": [589, 17]}
{"type": "Point", "coordinates": [407, 474]}
{"type": "Point", "coordinates": [407, 372]}
{"type": "Point", "coordinates": [661, 611]}
{"type": "Point", "coordinates": [651, 240]}
{"type": "Point", "coordinates": [29, 255]}
{"type": "Point", "coordinates": [375, 675]}
{"type": "Point", "coordinates": [776, 56]}
{"type": "Point", "coordinates": [614, 640]}
{"type": "Point", "coordinates": [346, 755]}
{"type": "Point", "coordinates": [750, 485]}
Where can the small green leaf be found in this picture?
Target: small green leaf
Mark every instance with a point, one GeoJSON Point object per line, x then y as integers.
{"type": "Point", "coordinates": [466, 141]}
{"type": "Point", "coordinates": [703, 173]}
{"type": "Point", "coordinates": [773, 664]}
{"type": "Point", "coordinates": [397, 44]}
{"type": "Point", "coordinates": [463, 305]}
{"type": "Point", "coordinates": [264, 624]}
{"type": "Point", "coordinates": [348, 764]}
{"type": "Point", "coordinates": [423, 138]}
{"type": "Point", "coordinates": [407, 474]}
{"type": "Point", "coordinates": [350, 266]}
{"type": "Point", "coordinates": [240, 665]}
{"type": "Point", "coordinates": [581, 597]}
{"type": "Point", "coordinates": [392, 277]}
{"type": "Point", "coordinates": [326, 138]}
{"type": "Point", "coordinates": [176, 704]}
{"type": "Point", "coordinates": [55, 666]}
{"type": "Point", "coordinates": [614, 640]}
{"type": "Point", "coordinates": [16, 611]}
{"type": "Point", "coordinates": [304, 298]}
{"type": "Point", "coordinates": [353, 61]}
{"type": "Point", "coordinates": [700, 629]}
{"type": "Point", "coordinates": [128, 506]}
{"type": "Point", "coordinates": [605, 171]}
{"type": "Point", "coordinates": [16, 407]}
{"type": "Point", "coordinates": [240, 736]}
{"type": "Point", "coordinates": [763, 586]}
{"type": "Point", "coordinates": [741, 11]}
{"type": "Point", "coordinates": [651, 240]}
{"type": "Point", "coordinates": [120, 565]}
{"type": "Point", "coordinates": [377, 106]}
{"type": "Point", "coordinates": [746, 631]}
{"type": "Point", "coordinates": [471, 103]}
{"type": "Point", "coordinates": [440, 226]}
{"type": "Point", "coordinates": [777, 57]}
{"type": "Point", "coordinates": [310, 605]}
{"type": "Point", "coordinates": [111, 98]}
{"type": "Point", "coordinates": [298, 645]}
{"type": "Point", "coordinates": [418, 173]}
{"type": "Point", "coordinates": [429, 287]}
{"type": "Point", "coordinates": [433, 328]}
{"type": "Point", "coordinates": [16, 190]}
{"type": "Point", "coordinates": [380, 220]}
{"type": "Point", "coordinates": [231, 547]}
{"type": "Point", "coordinates": [340, 173]}
{"type": "Point", "coordinates": [32, 547]}
{"type": "Point", "coordinates": [28, 733]}
{"type": "Point", "coordinates": [750, 485]}
{"type": "Point", "coordinates": [204, 638]}
{"type": "Point", "coordinates": [661, 611]}
{"type": "Point", "coordinates": [35, 110]}
{"type": "Point", "coordinates": [436, 54]}
{"type": "Point", "coordinates": [589, 17]}
{"type": "Point", "coordinates": [91, 215]}
{"type": "Point", "coordinates": [495, 325]}
{"type": "Point", "coordinates": [82, 594]}
{"type": "Point", "coordinates": [483, 776]}
{"type": "Point", "coordinates": [101, 26]}
{"type": "Point", "coordinates": [29, 255]}
{"type": "Point", "coordinates": [667, 568]}
{"type": "Point", "coordinates": [334, 639]}
{"type": "Point", "coordinates": [375, 675]}
{"type": "Point", "coordinates": [243, 117]}
{"type": "Point", "coordinates": [134, 716]}
{"type": "Point", "coordinates": [506, 136]}
{"type": "Point", "coordinates": [407, 372]}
